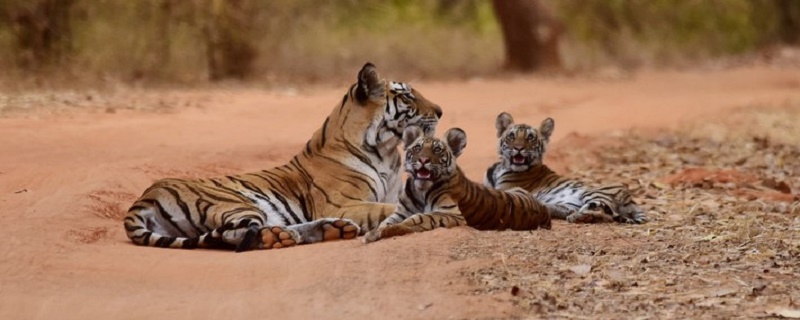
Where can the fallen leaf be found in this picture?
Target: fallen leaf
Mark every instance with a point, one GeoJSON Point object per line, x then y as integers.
{"type": "Point", "coordinates": [659, 185]}
{"type": "Point", "coordinates": [785, 313]}
{"type": "Point", "coordinates": [424, 306]}
{"type": "Point", "coordinates": [709, 302]}
{"type": "Point", "coordinates": [722, 292]}
{"type": "Point", "coordinates": [709, 237]}
{"type": "Point", "coordinates": [581, 269]}
{"type": "Point", "coordinates": [783, 187]}
{"type": "Point", "coordinates": [757, 290]}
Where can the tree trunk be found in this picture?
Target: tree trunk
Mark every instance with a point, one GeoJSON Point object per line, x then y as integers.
{"type": "Point", "coordinates": [229, 47]}
{"type": "Point", "coordinates": [42, 32]}
{"type": "Point", "coordinates": [530, 34]}
{"type": "Point", "coordinates": [163, 23]}
{"type": "Point", "coordinates": [789, 20]}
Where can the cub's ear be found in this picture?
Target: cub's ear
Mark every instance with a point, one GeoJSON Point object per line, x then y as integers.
{"type": "Point", "coordinates": [547, 127]}
{"type": "Point", "coordinates": [457, 140]}
{"type": "Point", "coordinates": [504, 120]}
{"type": "Point", "coordinates": [370, 86]}
{"type": "Point", "coordinates": [411, 134]}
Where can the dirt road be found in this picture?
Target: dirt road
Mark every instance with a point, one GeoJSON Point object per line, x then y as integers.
{"type": "Point", "coordinates": [66, 180]}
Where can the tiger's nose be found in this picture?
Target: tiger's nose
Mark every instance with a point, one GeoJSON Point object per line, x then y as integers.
{"type": "Point", "coordinates": [424, 160]}
{"type": "Point", "coordinates": [519, 149]}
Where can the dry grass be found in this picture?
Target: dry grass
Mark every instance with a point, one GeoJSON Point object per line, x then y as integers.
{"type": "Point", "coordinates": [724, 240]}
{"type": "Point", "coordinates": [297, 41]}
{"type": "Point", "coordinates": [311, 41]}
{"type": "Point", "coordinates": [42, 102]}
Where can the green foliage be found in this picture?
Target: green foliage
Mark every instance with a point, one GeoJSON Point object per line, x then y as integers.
{"type": "Point", "coordinates": [296, 40]}
{"type": "Point", "coordinates": [666, 31]}
{"type": "Point", "coordinates": [409, 38]}
{"type": "Point", "coordinates": [301, 40]}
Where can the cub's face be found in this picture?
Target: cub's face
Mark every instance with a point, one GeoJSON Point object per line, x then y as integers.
{"type": "Point", "coordinates": [430, 160]}
{"type": "Point", "coordinates": [521, 146]}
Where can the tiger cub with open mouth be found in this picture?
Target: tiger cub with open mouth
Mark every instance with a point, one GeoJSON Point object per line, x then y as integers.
{"type": "Point", "coordinates": [522, 148]}
{"type": "Point", "coordinates": [437, 194]}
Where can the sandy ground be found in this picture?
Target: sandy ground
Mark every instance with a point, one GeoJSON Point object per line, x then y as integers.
{"type": "Point", "coordinates": [66, 180]}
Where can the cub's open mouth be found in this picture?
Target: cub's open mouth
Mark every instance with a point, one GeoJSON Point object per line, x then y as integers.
{"type": "Point", "coordinates": [423, 174]}
{"type": "Point", "coordinates": [518, 159]}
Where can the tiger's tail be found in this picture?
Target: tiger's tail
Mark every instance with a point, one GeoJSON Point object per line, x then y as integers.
{"type": "Point", "coordinates": [137, 229]}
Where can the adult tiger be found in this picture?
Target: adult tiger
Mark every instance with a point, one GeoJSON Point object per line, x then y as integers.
{"type": "Point", "coordinates": [344, 182]}
{"type": "Point", "coordinates": [522, 147]}
{"type": "Point", "coordinates": [437, 194]}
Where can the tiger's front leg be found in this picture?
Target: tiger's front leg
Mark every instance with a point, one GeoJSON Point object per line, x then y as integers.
{"type": "Point", "coordinates": [267, 237]}
{"type": "Point", "coordinates": [367, 215]}
{"type": "Point", "coordinates": [417, 223]}
{"type": "Point", "coordinates": [276, 237]}
{"type": "Point", "coordinates": [326, 229]}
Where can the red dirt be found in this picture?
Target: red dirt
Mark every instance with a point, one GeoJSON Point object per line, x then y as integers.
{"type": "Point", "coordinates": [65, 181]}
{"type": "Point", "coordinates": [743, 182]}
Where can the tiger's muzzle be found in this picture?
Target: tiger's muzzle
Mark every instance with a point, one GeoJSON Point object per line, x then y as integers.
{"type": "Point", "coordinates": [422, 169]}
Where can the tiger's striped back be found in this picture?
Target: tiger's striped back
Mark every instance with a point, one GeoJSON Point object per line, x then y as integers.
{"type": "Point", "coordinates": [522, 148]}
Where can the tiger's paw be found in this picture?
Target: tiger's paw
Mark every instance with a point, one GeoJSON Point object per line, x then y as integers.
{"type": "Point", "coordinates": [631, 213]}
{"type": "Point", "coordinates": [587, 217]}
{"type": "Point", "coordinates": [339, 229]}
{"type": "Point", "coordinates": [372, 236]}
{"type": "Point", "coordinates": [597, 206]}
{"type": "Point", "coordinates": [276, 237]}
{"type": "Point", "coordinates": [637, 219]}
{"type": "Point", "coordinates": [384, 232]}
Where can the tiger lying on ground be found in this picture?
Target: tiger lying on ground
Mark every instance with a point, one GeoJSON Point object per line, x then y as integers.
{"type": "Point", "coordinates": [344, 182]}
{"type": "Point", "coordinates": [437, 194]}
{"type": "Point", "coordinates": [522, 148]}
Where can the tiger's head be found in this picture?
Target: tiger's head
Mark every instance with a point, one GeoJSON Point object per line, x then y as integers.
{"type": "Point", "coordinates": [521, 146]}
{"type": "Point", "coordinates": [430, 160]}
{"type": "Point", "coordinates": [385, 109]}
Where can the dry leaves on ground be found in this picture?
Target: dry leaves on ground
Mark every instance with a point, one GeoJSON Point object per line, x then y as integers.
{"type": "Point", "coordinates": [724, 239]}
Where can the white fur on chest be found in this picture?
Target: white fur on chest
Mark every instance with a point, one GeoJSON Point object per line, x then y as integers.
{"type": "Point", "coordinates": [387, 182]}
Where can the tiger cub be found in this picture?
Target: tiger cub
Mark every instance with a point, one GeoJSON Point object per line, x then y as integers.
{"type": "Point", "coordinates": [437, 194]}
{"type": "Point", "coordinates": [345, 181]}
{"type": "Point", "coordinates": [522, 148]}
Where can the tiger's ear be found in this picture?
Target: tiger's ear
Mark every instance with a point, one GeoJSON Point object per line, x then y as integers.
{"type": "Point", "coordinates": [370, 86]}
{"type": "Point", "coordinates": [457, 140]}
{"type": "Point", "coordinates": [547, 127]}
{"type": "Point", "coordinates": [504, 120]}
{"type": "Point", "coordinates": [411, 134]}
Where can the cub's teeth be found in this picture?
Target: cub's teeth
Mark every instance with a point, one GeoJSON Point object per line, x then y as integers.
{"type": "Point", "coordinates": [423, 174]}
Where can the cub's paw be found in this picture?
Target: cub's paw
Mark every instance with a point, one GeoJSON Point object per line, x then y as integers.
{"type": "Point", "coordinates": [631, 213]}
{"type": "Point", "coordinates": [373, 235]}
{"type": "Point", "coordinates": [383, 232]}
{"type": "Point", "coordinates": [638, 218]}
{"type": "Point", "coordinates": [587, 217]}
{"type": "Point", "coordinates": [338, 229]}
{"type": "Point", "coordinates": [598, 206]}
